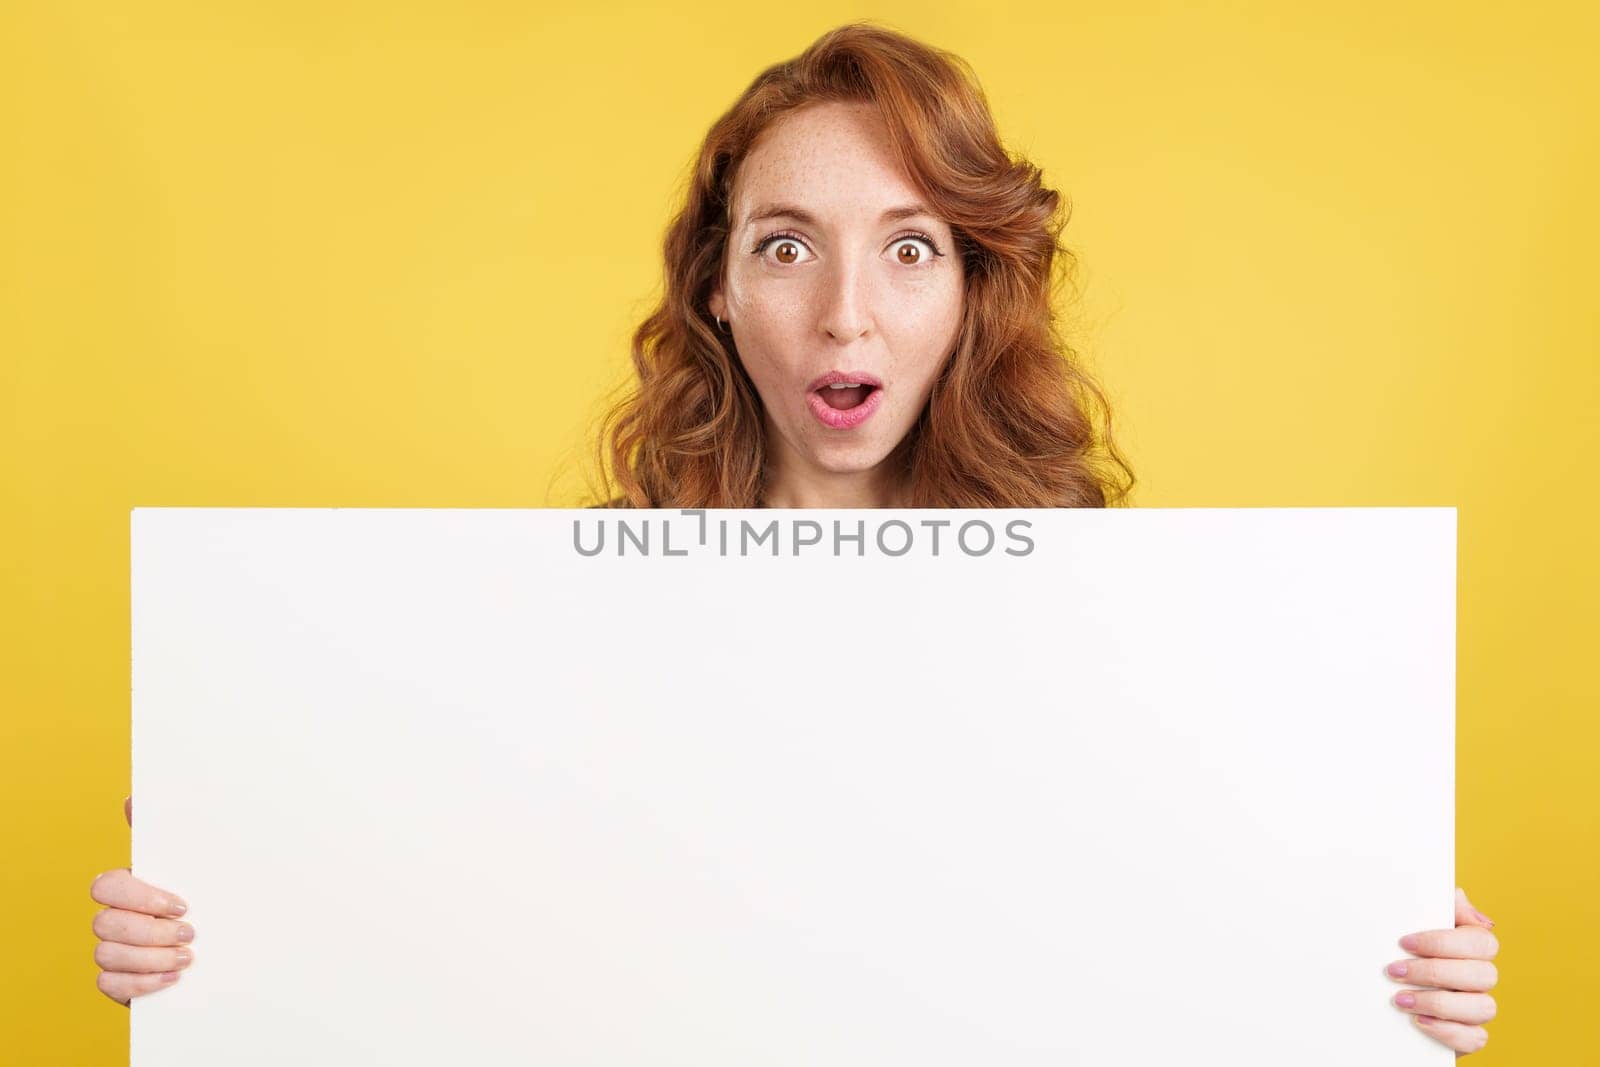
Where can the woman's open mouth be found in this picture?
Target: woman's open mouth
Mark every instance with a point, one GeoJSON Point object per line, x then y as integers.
{"type": "Point", "coordinates": [840, 400]}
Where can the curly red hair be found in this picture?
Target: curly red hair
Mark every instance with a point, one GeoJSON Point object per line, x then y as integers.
{"type": "Point", "coordinates": [1009, 421]}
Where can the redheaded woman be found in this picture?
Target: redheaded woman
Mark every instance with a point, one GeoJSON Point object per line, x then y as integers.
{"type": "Point", "coordinates": [858, 313]}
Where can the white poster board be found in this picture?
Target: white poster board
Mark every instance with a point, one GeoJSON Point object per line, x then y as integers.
{"type": "Point", "coordinates": [1065, 787]}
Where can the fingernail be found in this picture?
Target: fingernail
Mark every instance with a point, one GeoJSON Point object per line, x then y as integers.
{"type": "Point", "coordinates": [1410, 942]}
{"type": "Point", "coordinates": [185, 933]}
{"type": "Point", "coordinates": [177, 907]}
{"type": "Point", "coordinates": [168, 977]}
{"type": "Point", "coordinates": [1406, 1000]}
{"type": "Point", "coordinates": [1482, 917]}
{"type": "Point", "coordinates": [184, 956]}
{"type": "Point", "coordinates": [1398, 968]}
{"type": "Point", "coordinates": [1423, 1019]}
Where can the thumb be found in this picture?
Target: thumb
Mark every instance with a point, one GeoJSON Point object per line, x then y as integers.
{"type": "Point", "coordinates": [1467, 915]}
{"type": "Point", "coordinates": [127, 809]}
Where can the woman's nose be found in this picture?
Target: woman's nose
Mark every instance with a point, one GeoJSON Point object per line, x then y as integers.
{"type": "Point", "coordinates": [847, 301]}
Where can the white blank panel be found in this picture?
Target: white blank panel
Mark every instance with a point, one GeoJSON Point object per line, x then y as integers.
{"type": "Point", "coordinates": [440, 789]}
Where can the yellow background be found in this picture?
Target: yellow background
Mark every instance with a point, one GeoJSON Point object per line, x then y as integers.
{"type": "Point", "coordinates": [389, 255]}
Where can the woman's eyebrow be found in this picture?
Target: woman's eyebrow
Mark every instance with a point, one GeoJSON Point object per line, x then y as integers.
{"type": "Point", "coordinates": [801, 215]}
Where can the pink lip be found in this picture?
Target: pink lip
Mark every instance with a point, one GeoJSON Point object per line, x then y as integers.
{"type": "Point", "coordinates": [840, 377]}
{"type": "Point", "coordinates": [835, 418]}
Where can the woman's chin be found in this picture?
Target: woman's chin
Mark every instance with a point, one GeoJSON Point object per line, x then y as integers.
{"type": "Point", "coordinates": [845, 450]}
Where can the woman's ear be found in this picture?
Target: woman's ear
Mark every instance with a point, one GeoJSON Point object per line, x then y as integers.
{"type": "Point", "coordinates": [718, 307]}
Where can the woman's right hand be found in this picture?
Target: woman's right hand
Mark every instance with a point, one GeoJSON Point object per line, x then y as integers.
{"type": "Point", "coordinates": [143, 946]}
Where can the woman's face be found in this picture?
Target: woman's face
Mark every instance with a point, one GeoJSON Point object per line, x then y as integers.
{"type": "Point", "coordinates": [835, 267]}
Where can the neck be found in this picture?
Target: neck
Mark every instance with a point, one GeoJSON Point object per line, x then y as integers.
{"type": "Point", "coordinates": [835, 491]}
{"type": "Point", "coordinates": [787, 487]}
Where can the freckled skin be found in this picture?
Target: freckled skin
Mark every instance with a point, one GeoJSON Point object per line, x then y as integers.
{"type": "Point", "coordinates": [852, 292]}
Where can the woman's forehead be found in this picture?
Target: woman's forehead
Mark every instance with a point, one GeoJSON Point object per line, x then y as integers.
{"type": "Point", "coordinates": [824, 165]}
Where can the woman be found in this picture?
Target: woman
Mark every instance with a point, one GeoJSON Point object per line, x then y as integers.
{"type": "Point", "coordinates": [857, 314]}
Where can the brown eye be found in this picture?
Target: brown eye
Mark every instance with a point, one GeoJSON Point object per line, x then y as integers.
{"type": "Point", "coordinates": [788, 248]}
{"type": "Point", "coordinates": [915, 248]}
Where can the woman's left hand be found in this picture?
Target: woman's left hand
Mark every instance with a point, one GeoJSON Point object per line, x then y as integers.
{"type": "Point", "coordinates": [1455, 975]}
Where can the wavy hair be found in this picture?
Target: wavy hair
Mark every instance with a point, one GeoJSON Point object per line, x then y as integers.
{"type": "Point", "coordinates": [1010, 418]}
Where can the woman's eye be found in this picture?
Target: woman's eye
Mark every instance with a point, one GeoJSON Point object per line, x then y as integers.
{"type": "Point", "coordinates": [906, 251]}
{"type": "Point", "coordinates": [786, 250]}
